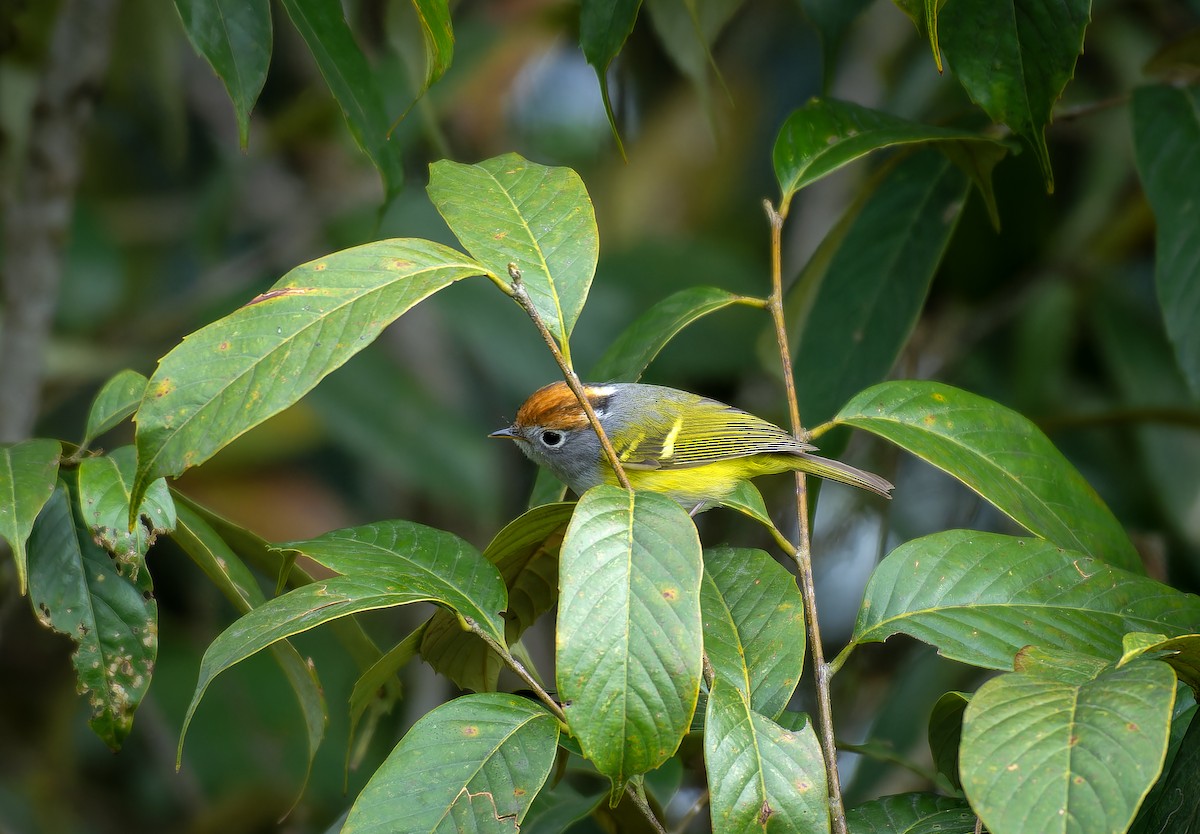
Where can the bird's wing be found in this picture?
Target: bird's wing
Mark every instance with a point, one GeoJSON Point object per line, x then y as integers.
{"type": "Point", "coordinates": [710, 431]}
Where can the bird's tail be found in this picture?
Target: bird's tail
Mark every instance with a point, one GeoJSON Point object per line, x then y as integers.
{"type": "Point", "coordinates": [835, 470]}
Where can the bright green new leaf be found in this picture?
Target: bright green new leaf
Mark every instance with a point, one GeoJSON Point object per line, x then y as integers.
{"type": "Point", "coordinates": [1181, 653]}
{"type": "Point", "coordinates": [28, 472]}
{"type": "Point", "coordinates": [1166, 134]}
{"type": "Point", "coordinates": [912, 813]}
{"type": "Point", "coordinates": [1014, 58]}
{"type": "Point", "coordinates": [117, 400]}
{"type": "Point", "coordinates": [861, 309]}
{"type": "Point", "coordinates": [945, 734]}
{"type": "Point", "coordinates": [999, 454]}
{"type": "Point", "coordinates": [629, 651]}
{"type": "Point", "coordinates": [473, 764]}
{"type": "Point", "coordinates": [228, 377]}
{"type": "Point", "coordinates": [632, 351]}
{"type": "Point", "coordinates": [526, 554]}
{"type": "Point", "coordinates": [235, 37]}
{"type": "Point", "coordinates": [754, 633]}
{"type": "Point", "coordinates": [1045, 754]}
{"type": "Point", "coordinates": [761, 777]}
{"type": "Point", "coordinates": [104, 492]}
{"type": "Point", "coordinates": [827, 134]}
{"type": "Point", "coordinates": [604, 26]}
{"type": "Point", "coordinates": [981, 597]}
{"type": "Point", "coordinates": [76, 590]}
{"type": "Point", "coordinates": [225, 569]}
{"type": "Point", "coordinates": [508, 210]}
{"type": "Point", "coordinates": [322, 24]}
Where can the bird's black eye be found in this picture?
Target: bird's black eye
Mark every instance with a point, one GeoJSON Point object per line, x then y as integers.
{"type": "Point", "coordinates": [552, 439]}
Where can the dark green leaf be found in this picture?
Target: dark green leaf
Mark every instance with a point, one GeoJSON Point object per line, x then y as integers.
{"type": "Point", "coordinates": [604, 26]}
{"type": "Point", "coordinates": [1176, 808]}
{"type": "Point", "coordinates": [117, 400]}
{"type": "Point", "coordinates": [228, 377]}
{"type": "Point", "coordinates": [999, 454]}
{"type": "Point", "coordinates": [945, 733]}
{"type": "Point", "coordinates": [374, 691]}
{"type": "Point", "coordinates": [1043, 754]}
{"type": "Point", "coordinates": [234, 36]}
{"type": "Point", "coordinates": [1014, 58]}
{"type": "Point", "coordinates": [761, 776]}
{"type": "Point", "coordinates": [1166, 132]}
{"type": "Point", "coordinates": [924, 14]}
{"type": "Point", "coordinates": [981, 597]}
{"type": "Point", "coordinates": [76, 590]}
{"type": "Point", "coordinates": [912, 813]}
{"type": "Point", "coordinates": [754, 633]}
{"type": "Point", "coordinates": [687, 30]}
{"type": "Point", "coordinates": [860, 312]}
{"type": "Point", "coordinates": [28, 472]}
{"type": "Point", "coordinates": [832, 18]}
{"type": "Point", "coordinates": [473, 764]}
{"type": "Point", "coordinates": [556, 809]}
{"type": "Point", "coordinates": [104, 491]}
{"type": "Point", "coordinates": [631, 352]}
{"type": "Point", "coordinates": [323, 26]}
{"type": "Point", "coordinates": [629, 650]}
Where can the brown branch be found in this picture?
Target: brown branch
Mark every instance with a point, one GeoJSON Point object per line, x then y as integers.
{"type": "Point", "coordinates": [36, 209]}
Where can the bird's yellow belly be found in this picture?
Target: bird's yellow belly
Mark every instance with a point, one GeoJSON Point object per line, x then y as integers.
{"type": "Point", "coordinates": [707, 484]}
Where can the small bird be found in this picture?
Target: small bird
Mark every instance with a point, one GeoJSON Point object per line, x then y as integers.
{"type": "Point", "coordinates": [691, 448]}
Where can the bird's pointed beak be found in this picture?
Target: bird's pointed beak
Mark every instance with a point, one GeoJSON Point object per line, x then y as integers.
{"type": "Point", "coordinates": [505, 433]}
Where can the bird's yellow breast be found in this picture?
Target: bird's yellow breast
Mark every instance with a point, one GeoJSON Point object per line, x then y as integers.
{"type": "Point", "coordinates": [707, 484]}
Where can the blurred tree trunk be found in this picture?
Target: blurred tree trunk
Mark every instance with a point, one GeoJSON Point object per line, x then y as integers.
{"type": "Point", "coordinates": [38, 204]}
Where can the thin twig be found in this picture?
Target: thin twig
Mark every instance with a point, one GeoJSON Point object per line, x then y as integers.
{"type": "Point", "coordinates": [803, 551]}
{"type": "Point", "coordinates": [521, 296]}
{"type": "Point", "coordinates": [639, 799]}
{"type": "Point", "coordinates": [519, 668]}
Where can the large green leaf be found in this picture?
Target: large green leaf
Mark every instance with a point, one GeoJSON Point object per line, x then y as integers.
{"type": "Point", "coordinates": [999, 454]}
{"type": "Point", "coordinates": [471, 765]}
{"type": "Point", "coordinates": [604, 26]}
{"type": "Point", "coordinates": [510, 210]}
{"type": "Point", "coordinates": [76, 590]}
{"type": "Point", "coordinates": [104, 492]}
{"type": "Point", "coordinates": [632, 351]}
{"type": "Point", "coordinates": [629, 651]}
{"type": "Point", "coordinates": [754, 633]}
{"type": "Point", "coordinates": [981, 597]}
{"type": "Point", "coordinates": [117, 400]}
{"type": "Point", "coordinates": [322, 24]}
{"type": "Point", "coordinates": [228, 377]}
{"type": "Point", "coordinates": [912, 813]}
{"type": "Point", "coordinates": [1060, 750]}
{"type": "Point", "coordinates": [1174, 807]}
{"type": "Point", "coordinates": [862, 307]}
{"type": "Point", "coordinates": [234, 36]}
{"type": "Point", "coordinates": [526, 554]}
{"type": "Point", "coordinates": [1014, 58]}
{"type": "Point", "coordinates": [1166, 134]}
{"type": "Point", "coordinates": [28, 472]}
{"type": "Point", "coordinates": [827, 134]}
{"type": "Point", "coordinates": [761, 777]}
{"type": "Point", "coordinates": [213, 555]}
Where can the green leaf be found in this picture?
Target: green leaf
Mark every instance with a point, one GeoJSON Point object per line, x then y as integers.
{"type": "Point", "coordinates": [999, 454]}
{"type": "Point", "coordinates": [1014, 58]}
{"type": "Point", "coordinates": [76, 590]}
{"type": "Point", "coordinates": [980, 597]}
{"type": "Point", "coordinates": [687, 29]}
{"type": "Point", "coordinates": [832, 18]}
{"type": "Point", "coordinates": [438, 32]}
{"type": "Point", "coordinates": [228, 377]}
{"type": "Point", "coordinates": [747, 500]}
{"type": "Point", "coordinates": [861, 310]}
{"type": "Point", "coordinates": [374, 691]}
{"type": "Point", "coordinates": [924, 14]}
{"type": "Point", "coordinates": [354, 85]}
{"type": "Point", "coordinates": [28, 472]}
{"type": "Point", "coordinates": [945, 733]}
{"type": "Point", "coordinates": [526, 554]}
{"type": "Point", "coordinates": [827, 134]}
{"type": "Point", "coordinates": [235, 37]}
{"type": "Point", "coordinates": [225, 569]}
{"type": "Point", "coordinates": [1176, 807]}
{"type": "Point", "coordinates": [754, 633]}
{"type": "Point", "coordinates": [104, 492]}
{"type": "Point", "coordinates": [556, 809]}
{"type": "Point", "coordinates": [416, 560]}
{"type": "Point", "coordinates": [604, 26]}
{"type": "Point", "coordinates": [912, 813]}
{"type": "Point", "coordinates": [628, 646]}
{"type": "Point", "coordinates": [1181, 653]}
{"type": "Point", "coordinates": [473, 764]}
{"type": "Point", "coordinates": [510, 210]}
{"type": "Point", "coordinates": [118, 399]}
{"type": "Point", "coordinates": [761, 776]}
{"type": "Point", "coordinates": [1166, 133]}
{"type": "Point", "coordinates": [1048, 755]}
{"type": "Point", "coordinates": [631, 352]}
